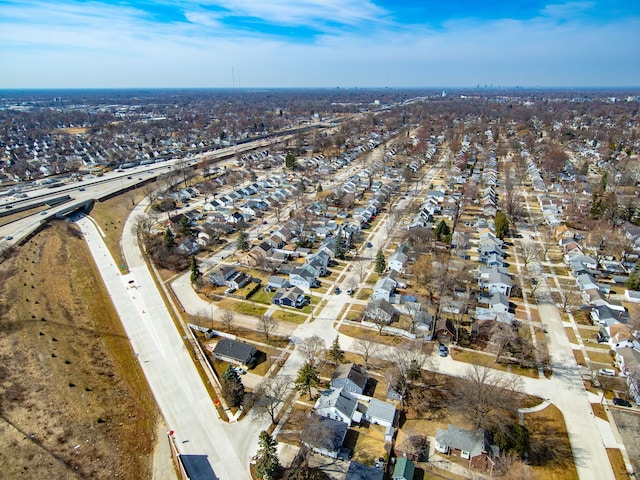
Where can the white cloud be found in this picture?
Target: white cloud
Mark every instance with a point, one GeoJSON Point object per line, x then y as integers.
{"type": "Point", "coordinates": [104, 46]}
{"type": "Point", "coordinates": [566, 10]}
{"type": "Point", "coordinates": [305, 12]}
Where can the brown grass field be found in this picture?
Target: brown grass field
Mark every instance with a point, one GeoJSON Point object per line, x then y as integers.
{"type": "Point", "coordinates": [74, 402]}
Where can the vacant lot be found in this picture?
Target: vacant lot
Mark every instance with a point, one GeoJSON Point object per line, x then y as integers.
{"type": "Point", "coordinates": [73, 400]}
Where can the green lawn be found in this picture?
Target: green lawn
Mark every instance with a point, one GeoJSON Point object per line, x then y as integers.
{"type": "Point", "coordinates": [289, 316]}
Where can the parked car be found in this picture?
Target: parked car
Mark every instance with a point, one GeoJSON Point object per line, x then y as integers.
{"type": "Point", "coordinates": [229, 290]}
{"type": "Point", "coordinates": [350, 291]}
{"type": "Point", "coordinates": [443, 351]}
{"type": "Point", "coordinates": [240, 370]}
{"type": "Point", "coordinates": [337, 291]}
{"type": "Point", "coordinates": [609, 372]}
{"type": "Point", "coordinates": [621, 402]}
{"type": "Point", "coordinates": [369, 245]}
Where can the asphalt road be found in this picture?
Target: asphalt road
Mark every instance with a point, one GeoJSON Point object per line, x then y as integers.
{"type": "Point", "coordinates": [228, 448]}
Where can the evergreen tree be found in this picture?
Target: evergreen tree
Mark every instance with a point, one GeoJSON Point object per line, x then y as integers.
{"type": "Point", "coordinates": [196, 274]}
{"type": "Point", "coordinates": [381, 264]}
{"type": "Point", "coordinates": [185, 226]}
{"type": "Point", "coordinates": [307, 378]}
{"type": "Point", "coordinates": [242, 243]}
{"type": "Point", "coordinates": [633, 282]}
{"type": "Point", "coordinates": [290, 161]}
{"type": "Point", "coordinates": [266, 458]}
{"type": "Point", "coordinates": [319, 189]}
{"type": "Point", "coordinates": [232, 387]}
{"type": "Point", "coordinates": [339, 248]}
{"type": "Point", "coordinates": [335, 352]}
{"type": "Point", "coordinates": [501, 223]}
{"type": "Point", "coordinates": [442, 230]}
{"type": "Point", "coordinates": [169, 239]}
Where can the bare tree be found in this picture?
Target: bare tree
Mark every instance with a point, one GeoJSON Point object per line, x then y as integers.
{"type": "Point", "coordinates": [267, 326]}
{"type": "Point", "coordinates": [408, 361]}
{"type": "Point", "coordinates": [360, 269]}
{"type": "Point", "coordinates": [311, 347]}
{"type": "Point", "coordinates": [528, 252]}
{"type": "Point", "coordinates": [393, 218]}
{"type": "Point", "coordinates": [367, 348]}
{"type": "Point", "coordinates": [570, 297]}
{"type": "Point", "coordinates": [227, 318]}
{"type": "Point", "coordinates": [502, 335]}
{"type": "Point", "coordinates": [270, 394]}
{"type": "Point", "coordinates": [486, 399]}
{"type": "Point", "coordinates": [148, 190]}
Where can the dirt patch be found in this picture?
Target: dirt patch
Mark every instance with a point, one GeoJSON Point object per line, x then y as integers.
{"type": "Point", "coordinates": [73, 401]}
{"type": "Point", "coordinates": [628, 424]}
{"type": "Point", "coordinates": [598, 411]}
{"type": "Point", "coordinates": [571, 335]}
{"type": "Point", "coordinates": [550, 450]}
{"type": "Point", "coordinates": [617, 464]}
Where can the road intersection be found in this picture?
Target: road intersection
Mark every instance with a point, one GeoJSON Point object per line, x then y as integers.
{"type": "Point", "coordinates": [228, 448]}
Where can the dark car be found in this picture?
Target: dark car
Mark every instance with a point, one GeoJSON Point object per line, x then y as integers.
{"type": "Point", "coordinates": [337, 291]}
{"type": "Point", "coordinates": [621, 402]}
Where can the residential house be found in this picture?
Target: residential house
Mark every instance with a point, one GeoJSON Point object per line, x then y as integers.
{"type": "Point", "coordinates": [444, 330]}
{"type": "Point", "coordinates": [221, 274]}
{"type": "Point", "coordinates": [303, 278]}
{"type": "Point", "coordinates": [381, 413]}
{"type": "Point", "coordinates": [188, 246]}
{"type": "Point", "coordinates": [275, 282]}
{"type": "Point", "coordinates": [351, 377]}
{"type": "Point", "coordinates": [235, 352]}
{"type": "Point", "coordinates": [608, 315]}
{"type": "Point", "coordinates": [397, 261]}
{"type": "Point", "coordinates": [329, 441]}
{"type": "Point", "coordinates": [381, 311]}
{"type": "Point", "coordinates": [497, 283]}
{"type": "Point", "coordinates": [290, 297]}
{"type": "Point", "coordinates": [621, 336]}
{"type": "Point", "coordinates": [473, 445]}
{"type": "Point", "coordinates": [383, 289]}
{"type": "Point", "coordinates": [587, 282]}
{"type": "Point", "coordinates": [338, 404]}
{"type": "Point", "coordinates": [239, 280]}
{"type": "Point", "coordinates": [403, 470]}
{"type": "Point", "coordinates": [499, 303]}
{"type": "Point", "coordinates": [358, 471]}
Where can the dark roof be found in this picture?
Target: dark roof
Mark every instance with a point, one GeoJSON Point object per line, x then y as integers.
{"type": "Point", "coordinates": [235, 350]}
{"type": "Point", "coordinates": [325, 433]}
{"type": "Point", "coordinates": [357, 471]}
{"type": "Point", "coordinates": [354, 372]}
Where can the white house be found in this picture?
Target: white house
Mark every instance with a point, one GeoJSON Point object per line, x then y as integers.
{"type": "Point", "coordinates": [383, 289]}
{"type": "Point", "coordinates": [337, 404]}
{"type": "Point", "coordinates": [397, 261]}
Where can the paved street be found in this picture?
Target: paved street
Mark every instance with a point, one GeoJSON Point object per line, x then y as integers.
{"type": "Point", "coordinates": [229, 447]}
{"type": "Point", "coordinates": [177, 387]}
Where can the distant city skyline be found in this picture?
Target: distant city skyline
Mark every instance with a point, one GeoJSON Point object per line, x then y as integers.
{"type": "Point", "coordinates": [318, 43]}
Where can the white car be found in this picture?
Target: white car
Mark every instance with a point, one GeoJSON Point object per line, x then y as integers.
{"type": "Point", "coordinates": [609, 372]}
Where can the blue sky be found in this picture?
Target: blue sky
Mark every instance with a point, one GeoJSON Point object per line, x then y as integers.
{"type": "Point", "coordinates": [318, 43]}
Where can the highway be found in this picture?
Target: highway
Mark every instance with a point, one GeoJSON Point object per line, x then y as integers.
{"type": "Point", "coordinates": [93, 189]}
